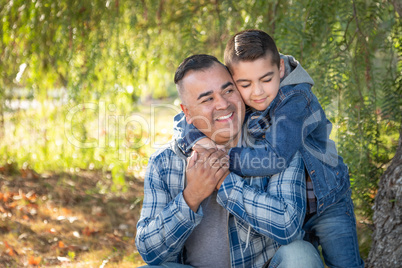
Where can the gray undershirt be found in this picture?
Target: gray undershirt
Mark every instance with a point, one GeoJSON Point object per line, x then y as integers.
{"type": "Point", "coordinates": [208, 244]}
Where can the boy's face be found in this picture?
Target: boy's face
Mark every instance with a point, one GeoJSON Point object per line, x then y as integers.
{"type": "Point", "coordinates": [258, 81]}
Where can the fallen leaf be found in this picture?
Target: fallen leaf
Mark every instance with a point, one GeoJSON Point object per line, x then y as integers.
{"type": "Point", "coordinates": [89, 231]}
{"type": "Point", "coordinates": [61, 244]}
{"type": "Point", "coordinates": [33, 206]}
{"type": "Point", "coordinates": [34, 260]}
{"type": "Point", "coordinates": [13, 205]}
{"type": "Point", "coordinates": [72, 219]}
{"type": "Point", "coordinates": [10, 250]}
{"type": "Point", "coordinates": [21, 194]}
{"type": "Point", "coordinates": [23, 236]}
{"type": "Point", "coordinates": [76, 234]}
{"type": "Point", "coordinates": [6, 196]}
{"type": "Point", "coordinates": [66, 211]}
{"type": "Point", "coordinates": [31, 196]}
{"type": "Point", "coordinates": [61, 218]}
{"type": "Point", "coordinates": [28, 173]}
{"type": "Point", "coordinates": [63, 259]}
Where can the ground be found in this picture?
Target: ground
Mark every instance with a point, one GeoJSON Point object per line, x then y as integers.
{"type": "Point", "coordinates": [67, 219]}
{"type": "Point", "coordinates": [74, 220]}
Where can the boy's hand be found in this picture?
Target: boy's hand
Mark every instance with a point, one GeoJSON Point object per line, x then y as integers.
{"type": "Point", "coordinates": [206, 143]}
{"type": "Point", "coordinates": [222, 147]}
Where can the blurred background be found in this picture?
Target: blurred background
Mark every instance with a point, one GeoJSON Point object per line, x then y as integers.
{"type": "Point", "coordinates": [87, 94]}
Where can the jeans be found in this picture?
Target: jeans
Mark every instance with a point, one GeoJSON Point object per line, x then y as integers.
{"type": "Point", "coordinates": [300, 254]}
{"type": "Point", "coordinates": [167, 265]}
{"type": "Point", "coordinates": [335, 231]}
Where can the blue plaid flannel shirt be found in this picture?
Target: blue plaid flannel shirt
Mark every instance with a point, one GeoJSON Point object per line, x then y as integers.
{"type": "Point", "coordinates": [264, 213]}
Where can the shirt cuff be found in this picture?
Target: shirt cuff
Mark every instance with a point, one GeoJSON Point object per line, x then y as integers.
{"type": "Point", "coordinates": [187, 212]}
{"type": "Point", "coordinates": [235, 160]}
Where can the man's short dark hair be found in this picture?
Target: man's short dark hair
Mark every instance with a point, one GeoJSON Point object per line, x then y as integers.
{"type": "Point", "coordinates": [250, 45]}
{"type": "Point", "coordinates": [193, 63]}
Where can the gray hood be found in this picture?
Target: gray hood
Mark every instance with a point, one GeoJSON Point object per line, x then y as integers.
{"type": "Point", "coordinates": [294, 72]}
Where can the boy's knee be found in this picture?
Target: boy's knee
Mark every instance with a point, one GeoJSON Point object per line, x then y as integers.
{"type": "Point", "coordinates": [297, 254]}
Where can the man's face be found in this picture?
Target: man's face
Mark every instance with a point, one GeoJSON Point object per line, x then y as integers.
{"type": "Point", "coordinates": [258, 81]}
{"type": "Point", "coordinates": [212, 103]}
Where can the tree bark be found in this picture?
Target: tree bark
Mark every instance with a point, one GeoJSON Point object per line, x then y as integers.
{"type": "Point", "coordinates": [386, 249]}
{"type": "Point", "coordinates": [2, 127]}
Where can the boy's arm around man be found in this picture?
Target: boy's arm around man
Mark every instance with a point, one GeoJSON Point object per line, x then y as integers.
{"type": "Point", "coordinates": [279, 132]}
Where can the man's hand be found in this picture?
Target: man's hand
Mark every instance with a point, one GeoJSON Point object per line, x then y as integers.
{"type": "Point", "coordinates": [224, 161]}
{"type": "Point", "coordinates": [205, 172]}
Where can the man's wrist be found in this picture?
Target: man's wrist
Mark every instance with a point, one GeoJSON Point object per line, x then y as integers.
{"type": "Point", "coordinates": [192, 203]}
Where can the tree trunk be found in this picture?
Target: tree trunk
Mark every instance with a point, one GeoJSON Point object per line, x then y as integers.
{"type": "Point", "coordinates": [2, 127]}
{"type": "Point", "coordinates": [386, 249]}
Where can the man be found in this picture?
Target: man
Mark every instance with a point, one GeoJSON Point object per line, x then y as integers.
{"type": "Point", "coordinates": [198, 214]}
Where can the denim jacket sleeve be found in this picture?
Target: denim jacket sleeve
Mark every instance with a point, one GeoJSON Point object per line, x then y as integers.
{"type": "Point", "coordinates": [185, 134]}
{"type": "Point", "coordinates": [271, 152]}
{"type": "Point", "coordinates": [278, 212]}
{"type": "Point", "coordinates": [166, 220]}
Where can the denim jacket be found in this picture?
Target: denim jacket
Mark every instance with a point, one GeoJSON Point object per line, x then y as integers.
{"type": "Point", "coordinates": [294, 121]}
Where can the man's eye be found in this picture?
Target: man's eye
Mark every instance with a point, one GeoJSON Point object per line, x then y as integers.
{"type": "Point", "coordinates": [267, 80]}
{"type": "Point", "coordinates": [229, 91]}
{"type": "Point", "coordinates": [206, 100]}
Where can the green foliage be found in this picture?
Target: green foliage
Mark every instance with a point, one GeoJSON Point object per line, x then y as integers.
{"type": "Point", "coordinates": [62, 54]}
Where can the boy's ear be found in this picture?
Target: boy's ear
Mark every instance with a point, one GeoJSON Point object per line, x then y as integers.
{"type": "Point", "coordinates": [282, 68]}
{"type": "Point", "coordinates": [186, 113]}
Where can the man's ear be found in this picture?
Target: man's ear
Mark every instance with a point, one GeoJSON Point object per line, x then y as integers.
{"type": "Point", "coordinates": [282, 68]}
{"type": "Point", "coordinates": [186, 113]}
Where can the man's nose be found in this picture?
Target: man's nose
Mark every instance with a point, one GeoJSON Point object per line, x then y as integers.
{"type": "Point", "coordinates": [221, 103]}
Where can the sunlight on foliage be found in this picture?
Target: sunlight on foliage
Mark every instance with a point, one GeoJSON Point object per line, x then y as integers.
{"type": "Point", "coordinates": [88, 85]}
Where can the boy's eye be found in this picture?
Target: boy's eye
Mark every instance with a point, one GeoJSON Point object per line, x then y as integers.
{"type": "Point", "coordinates": [267, 80]}
{"type": "Point", "coordinates": [245, 85]}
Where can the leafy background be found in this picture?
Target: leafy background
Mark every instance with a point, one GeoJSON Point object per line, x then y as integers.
{"type": "Point", "coordinates": [87, 86]}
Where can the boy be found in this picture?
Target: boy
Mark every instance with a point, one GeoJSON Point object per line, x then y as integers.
{"type": "Point", "coordinates": [284, 117]}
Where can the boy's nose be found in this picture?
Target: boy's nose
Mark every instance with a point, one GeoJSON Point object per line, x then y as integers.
{"type": "Point", "coordinates": [258, 89]}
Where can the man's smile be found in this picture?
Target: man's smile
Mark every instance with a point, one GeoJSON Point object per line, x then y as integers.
{"type": "Point", "coordinates": [225, 117]}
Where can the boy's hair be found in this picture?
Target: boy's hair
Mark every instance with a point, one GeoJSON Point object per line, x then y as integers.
{"type": "Point", "coordinates": [250, 45]}
{"type": "Point", "coordinates": [193, 63]}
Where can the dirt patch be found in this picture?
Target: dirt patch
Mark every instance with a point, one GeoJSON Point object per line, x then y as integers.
{"type": "Point", "coordinates": [73, 219]}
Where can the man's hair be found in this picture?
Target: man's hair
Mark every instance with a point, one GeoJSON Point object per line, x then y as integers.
{"type": "Point", "coordinates": [193, 63]}
{"type": "Point", "coordinates": [250, 45]}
